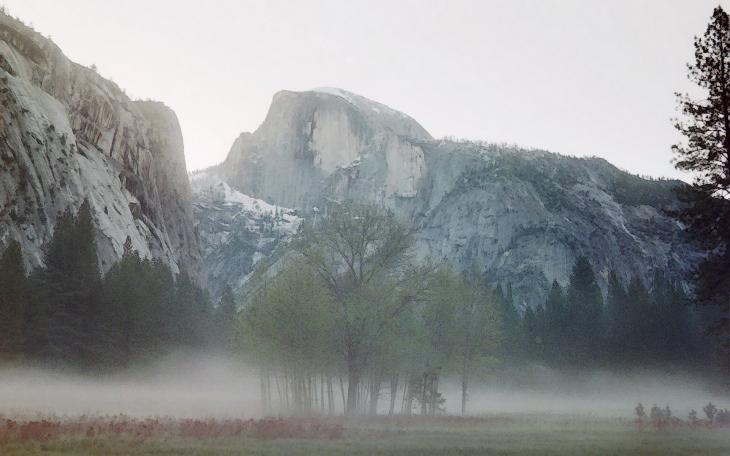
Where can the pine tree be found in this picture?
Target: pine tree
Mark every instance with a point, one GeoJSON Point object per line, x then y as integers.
{"type": "Point", "coordinates": [619, 322]}
{"type": "Point", "coordinates": [225, 316]}
{"type": "Point", "coordinates": [640, 322]}
{"type": "Point", "coordinates": [67, 296]}
{"type": "Point", "coordinates": [188, 313]}
{"type": "Point", "coordinates": [532, 342]}
{"type": "Point", "coordinates": [706, 153]}
{"type": "Point", "coordinates": [13, 300]}
{"type": "Point", "coordinates": [227, 305]}
{"type": "Point", "coordinates": [672, 335]}
{"type": "Point", "coordinates": [585, 314]}
{"type": "Point", "coordinates": [512, 331]}
{"type": "Point", "coordinates": [555, 324]}
{"type": "Point", "coordinates": [127, 302]}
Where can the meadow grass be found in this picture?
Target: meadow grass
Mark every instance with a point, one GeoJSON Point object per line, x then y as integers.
{"type": "Point", "coordinates": [492, 435]}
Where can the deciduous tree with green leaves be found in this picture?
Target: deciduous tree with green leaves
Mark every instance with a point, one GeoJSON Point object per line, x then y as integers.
{"type": "Point", "coordinates": [362, 255]}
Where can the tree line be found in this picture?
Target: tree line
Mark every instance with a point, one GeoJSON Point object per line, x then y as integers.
{"type": "Point", "coordinates": [635, 325]}
{"type": "Point", "coordinates": [350, 318]}
{"type": "Point", "coordinates": [68, 312]}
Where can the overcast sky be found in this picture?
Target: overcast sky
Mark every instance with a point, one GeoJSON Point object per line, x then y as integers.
{"type": "Point", "coordinates": [577, 77]}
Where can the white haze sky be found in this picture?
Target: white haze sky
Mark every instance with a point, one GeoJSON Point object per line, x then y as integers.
{"type": "Point", "coordinates": [577, 77]}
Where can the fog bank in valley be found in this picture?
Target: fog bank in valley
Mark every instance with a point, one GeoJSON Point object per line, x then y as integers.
{"type": "Point", "coordinates": [184, 386]}
{"type": "Point", "coordinates": [203, 386]}
{"type": "Point", "coordinates": [598, 393]}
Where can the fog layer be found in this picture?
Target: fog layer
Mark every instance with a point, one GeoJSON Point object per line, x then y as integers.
{"type": "Point", "coordinates": [197, 386]}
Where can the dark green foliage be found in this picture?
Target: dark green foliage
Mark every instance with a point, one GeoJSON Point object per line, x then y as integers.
{"type": "Point", "coordinates": [226, 319]}
{"type": "Point", "coordinates": [671, 323]}
{"type": "Point", "coordinates": [707, 124]}
{"type": "Point", "coordinates": [513, 337]}
{"type": "Point", "coordinates": [706, 153]}
{"type": "Point", "coordinates": [619, 319]}
{"type": "Point", "coordinates": [639, 326]}
{"type": "Point", "coordinates": [584, 314]}
{"type": "Point", "coordinates": [67, 313]}
{"type": "Point", "coordinates": [552, 333]}
{"type": "Point", "coordinates": [67, 293]}
{"type": "Point", "coordinates": [636, 190]}
{"type": "Point", "coordinates": [549, 182]}
{"type": "Point", "coordinates": [148, 313]}
{"type": "Point", "coordinates": [13, 300]}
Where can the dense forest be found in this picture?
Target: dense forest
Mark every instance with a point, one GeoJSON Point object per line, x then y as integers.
{"type": "Point", "coordinates": [68, 313]}
{"type": "Point", "coordinates": [347, 314]}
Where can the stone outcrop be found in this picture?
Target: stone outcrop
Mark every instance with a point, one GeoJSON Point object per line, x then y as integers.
{"type": "Point", "coordinates": [67, 134]}
{"type": "Point", "coordinates": [519, 216]}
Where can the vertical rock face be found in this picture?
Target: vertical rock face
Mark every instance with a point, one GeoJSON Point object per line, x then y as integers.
{"type": "Point", "coordinates": [520, 216]}
{"type": "Point", "coordinates": [67, 134]}
{"type": "Point", "coordinates": [236, 231]}
{"type": "Point", "coordinates": [308, 136]}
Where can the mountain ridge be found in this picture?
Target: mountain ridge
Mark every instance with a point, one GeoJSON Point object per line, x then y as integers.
{"type": "Point", "coordinates": [520, 216]}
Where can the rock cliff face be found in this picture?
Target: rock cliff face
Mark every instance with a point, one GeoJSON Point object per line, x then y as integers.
{"type": "Point", "coordinates": [520, 216]}
{"type": "Point", "coordinates": [67, 134]}
{"type": "Point", "coordinates": [307, 136]}
{"type": "Point", "coordinates": [236, 230]}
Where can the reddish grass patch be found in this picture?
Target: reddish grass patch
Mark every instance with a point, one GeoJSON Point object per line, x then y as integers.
{"type": "Point", "coordinates": [163, 428]}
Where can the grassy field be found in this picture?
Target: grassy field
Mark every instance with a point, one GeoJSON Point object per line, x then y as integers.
{"type": "Point", "coordinates": [497, 435]}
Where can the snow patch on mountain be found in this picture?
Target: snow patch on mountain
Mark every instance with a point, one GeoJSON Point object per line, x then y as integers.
{"type": "Point", "coordinates": [365, 104]}
{"type": "Point", "coordinates": [237, 230]}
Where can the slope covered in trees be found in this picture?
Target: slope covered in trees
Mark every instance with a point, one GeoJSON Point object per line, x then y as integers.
{"type": "Point", "coordinates": [68, 313]}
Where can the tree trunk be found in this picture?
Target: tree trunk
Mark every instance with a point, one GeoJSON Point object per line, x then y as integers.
{"type": "Point", "coordinates": [374, 395]}
{"type": "Point", "coordinates": [262, 384]}
{"type": "Point", "coordinates": [464, 384]}
{"type": "Point", "coordinates": [344, 400]}
{"type": "Point", "coordinates": [409, 397]}
{"type": "Point", "coordinates": [424, 395]}
{"type": "Point", "coordinates": [278, 391]}
{"type": "Point", "coordinates": [321, 394]}
{"type": "Point", "coordinates": [393, 393]}
{"type": "Point", "coordinates": [434, 394]}
{"type": "Point", "coordinates": [286, 388]}
{"type": "Point", "coordinates": [330, 397]}
{"type": "Point", "coordinates": [353, 381]}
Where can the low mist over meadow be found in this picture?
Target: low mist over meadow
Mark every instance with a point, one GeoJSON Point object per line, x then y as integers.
{"type": "Point", "coordinates": [200, 385]}
{"type": "Point", "coordinates": [183, 385]}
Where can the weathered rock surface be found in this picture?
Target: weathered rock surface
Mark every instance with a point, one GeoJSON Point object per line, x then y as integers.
{"type": "Point", "coordinates": [309, 135]}
{"type": "Point", "coordinates": [236, 230]}
{"type": "Point", "coordinates": [67, 134]}
{"type": "Point", "coordinates": [520, 216]}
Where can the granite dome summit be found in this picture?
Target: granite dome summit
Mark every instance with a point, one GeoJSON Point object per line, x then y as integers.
{"type": "Point", "coordinates": [519, 216]}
